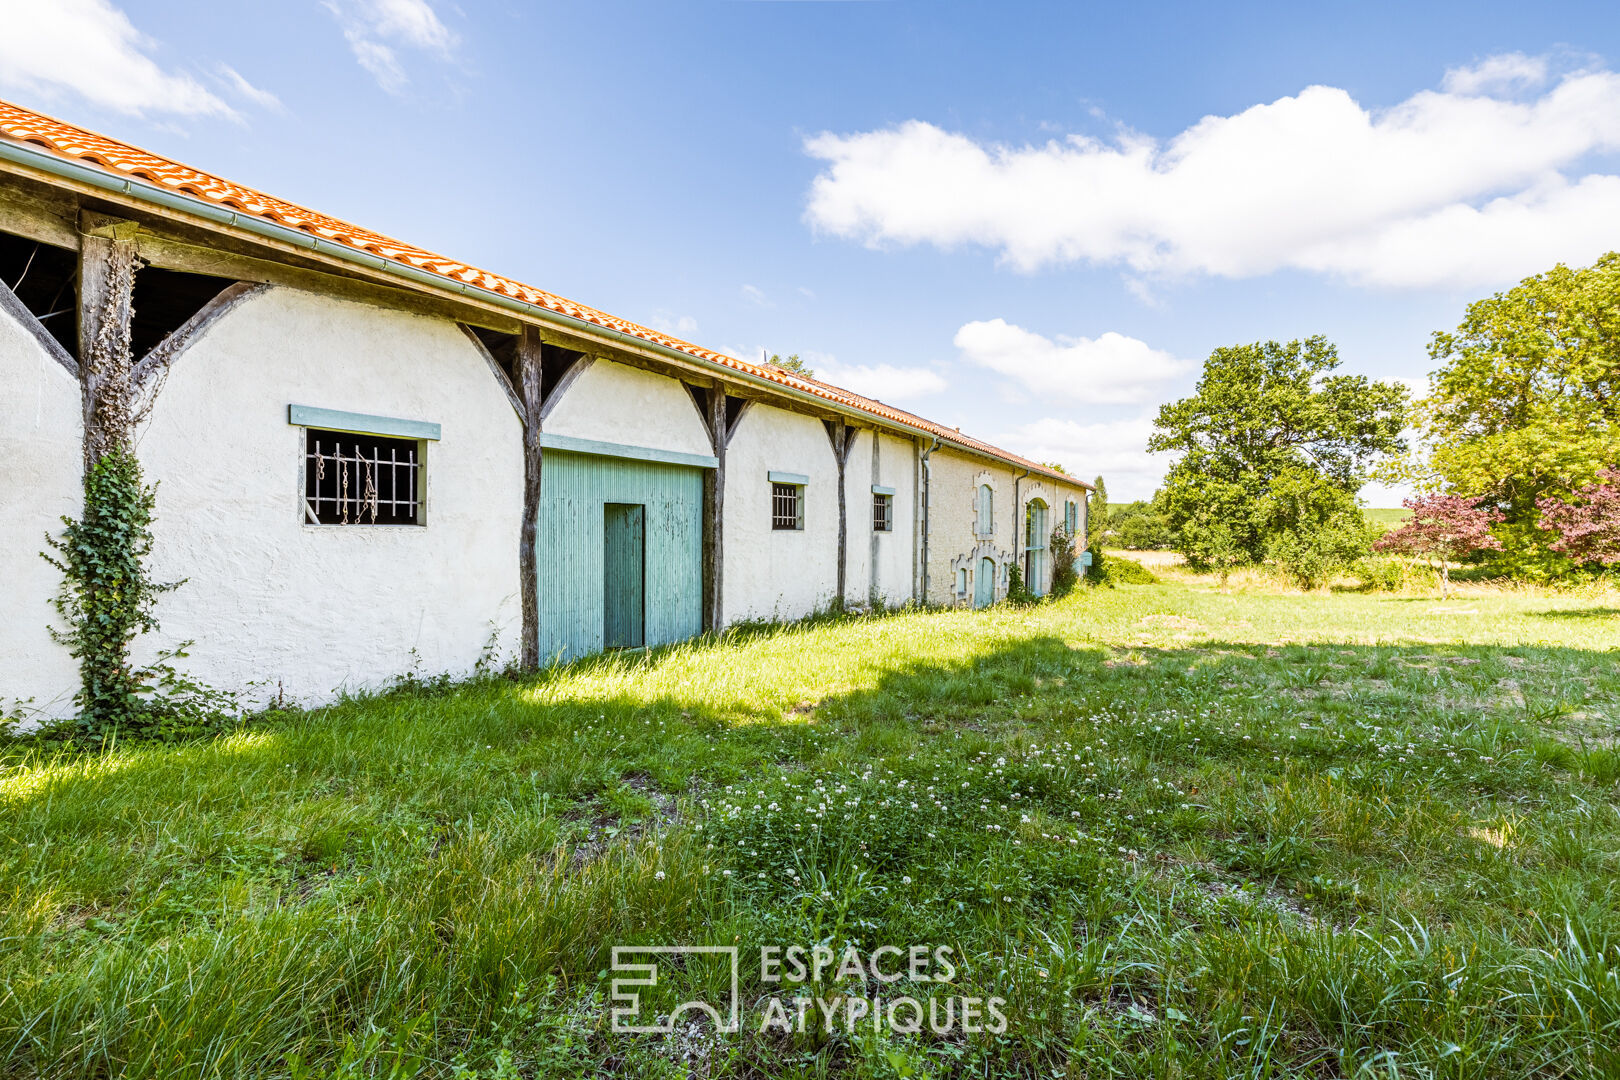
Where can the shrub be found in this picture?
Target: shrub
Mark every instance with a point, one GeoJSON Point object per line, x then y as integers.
{"type": "Point", "coordinates": [1382, 574]}
{"type": "Point", "coordinates": [1064, 575]}
{"type": "Point", "coordinates": [1129, 572]}
{"type": "Point", "coordinates": [1310, 555]}
{"type": "Point", "coordinates": [1017, 591]}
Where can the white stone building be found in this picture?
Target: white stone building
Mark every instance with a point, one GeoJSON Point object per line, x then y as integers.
{"type": "Point", "coordinates": [371, 460]}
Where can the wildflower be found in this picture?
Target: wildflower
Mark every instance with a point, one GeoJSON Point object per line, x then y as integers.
{"type": "Point", "coordinates": [658, 876]}
{"type": "Point", "coordinates": [905, 880]}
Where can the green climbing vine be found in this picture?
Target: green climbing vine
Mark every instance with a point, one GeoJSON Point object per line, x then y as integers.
{"type": "Point", "coordinates": [107, 600]}
{"type": "Point", "coordinates": [107, 596]}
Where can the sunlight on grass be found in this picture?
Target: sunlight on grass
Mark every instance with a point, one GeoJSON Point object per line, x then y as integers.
{"type": "Point", "coordinates": [1182, 832]}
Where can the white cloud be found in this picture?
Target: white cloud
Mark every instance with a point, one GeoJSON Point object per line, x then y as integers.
{"type": "Point", "coordinates": [1505, 71]}
{"type": "Point", "coordinates": [1109, 369]}
{"type": "Point", "coordinates": [1113, 449]}
{"type": "Point", "coordinates": [885, 382]}
{"type": "Point", "coordinates": [262, 98]}
{"type": "Point", "coordinates": [377, 29]}
{"type": "Point", "coordinates": [1458, 187]}
{"type": "Point", "coordinates": [755, 295]}
{"type": "Point", "coordinates": [681, 326]}
{"type": "Point", "coordinates": [91, 48]}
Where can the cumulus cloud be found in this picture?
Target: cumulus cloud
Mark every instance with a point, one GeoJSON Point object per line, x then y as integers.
{"type": "Point", "coordinates": [90, 48]}
{"type": "Point", "coordinates": [884, 382]}
{"type": "Point", "coordinates": [1474, 183]}
{"type": "Point", "coordinates": [377, 29]}
{"type": "Point", "coordinates": [681, 326]}
{"type": "Point", "coordinates": [1114, 449]}
{"type": "Point", "coordinates": [1109, 369]}
{"type": "Point", "coordinates": [244, 89]}
{"type": "Point", "coordinates": [1502, 72]}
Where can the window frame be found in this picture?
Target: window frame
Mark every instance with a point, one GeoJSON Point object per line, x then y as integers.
{"type": "Point", "coordinates": [984, 514]}
{"type": "Point", "coordinates": [783, 489]}
{"type": "Point", "coordinates": [339, 425]}
{"type": "Point", "coordinates": [882, 512]}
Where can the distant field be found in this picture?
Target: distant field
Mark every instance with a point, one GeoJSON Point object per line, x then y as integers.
{"type": "Point", "coordinates": [1386, 517]}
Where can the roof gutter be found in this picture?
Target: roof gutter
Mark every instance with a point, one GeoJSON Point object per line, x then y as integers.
{"type": "Point", "coordinates": [31, 157]}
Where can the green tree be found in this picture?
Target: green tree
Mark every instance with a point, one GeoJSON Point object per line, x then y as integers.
{"type": "Point", "coordinates": [1525, 405]}
{"type": "Point", "coordinates": [1097, 512]}
{"type": "Point", "coordinates": [793, 364]}
{"type": "Point", "coordinates": [1271, 442]}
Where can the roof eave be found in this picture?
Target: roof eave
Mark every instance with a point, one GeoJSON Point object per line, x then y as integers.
{"type": "Point", "coordinates": [37, 158]}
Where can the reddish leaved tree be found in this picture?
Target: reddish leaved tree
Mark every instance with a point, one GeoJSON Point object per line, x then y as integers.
{"type": "Point", "coordinates": [1442, 528]}
{"type": "Point", "coordinates": [1589, 528]}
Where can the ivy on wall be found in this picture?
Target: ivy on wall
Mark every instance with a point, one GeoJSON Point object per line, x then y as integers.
{"type": "Point", "coordinates": [107, 596]}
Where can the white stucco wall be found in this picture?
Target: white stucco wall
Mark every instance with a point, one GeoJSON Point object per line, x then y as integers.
{"type": "Point", "coordinates": [788, 574]}
{"type": "Point", "coordinates": [893, 568]}
{"type": "Point", "coordinates": [621, 404]}
{"type": "Point", "coordinates": [315, 610]}
{"type": "Point", "coordinates": [41, 462]}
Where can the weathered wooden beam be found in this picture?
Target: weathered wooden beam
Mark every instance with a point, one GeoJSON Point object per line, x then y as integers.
{"type": "Point", "coordinates": [168, 254]}
{"type": "Point", "coordinates": [528, 382]}
{"type": "Point", "coordinates": [714, 512]}
{"type": "Point", "coordinates": [106, 289]}
{"type": "Point", "coordinates": [186, 334]}
{"type": "Point", "coordinates": [19, 311]}
{"type": "Point", "coordinates": [731, 429]}
{"type": "Point", "coordinates": [842, 437]}
{"type": "Point", "coordinates": [569, 378]}
{"type": "Point", "coordinates": [528, 376]}
{"type": "Point", "coordinates": [46, 217]}
{"type": "Point", "coordinates": [496, 370]}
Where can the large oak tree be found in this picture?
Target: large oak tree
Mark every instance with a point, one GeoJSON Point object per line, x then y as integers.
{"type": "Point", "coordinates": [1271, 443]}
{"type": "Point", "coordinates": [1526, 403]}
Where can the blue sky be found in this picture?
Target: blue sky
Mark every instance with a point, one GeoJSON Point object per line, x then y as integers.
{"type": "Point", "coordinates": [1029, 220]}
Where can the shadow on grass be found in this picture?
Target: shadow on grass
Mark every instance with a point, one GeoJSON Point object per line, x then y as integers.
{"type": "Point", "coordinates": [436, 813]}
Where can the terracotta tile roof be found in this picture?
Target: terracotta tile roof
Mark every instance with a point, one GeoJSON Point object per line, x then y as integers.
{"type": "Point", "coordinates": [69, 141]}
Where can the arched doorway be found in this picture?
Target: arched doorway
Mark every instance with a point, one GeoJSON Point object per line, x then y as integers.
{"type": "Point", "coordinates": [984, 583]}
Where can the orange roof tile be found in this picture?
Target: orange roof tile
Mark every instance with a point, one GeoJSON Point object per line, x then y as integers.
{"type": "Point", "coordinates": [69, 141]}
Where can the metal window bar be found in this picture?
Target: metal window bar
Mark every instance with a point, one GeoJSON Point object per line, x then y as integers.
{"type": "Point", "coordinates": [881, 506]}
{"type": "Point", "coordinates": [357, 481]}
{"type": "Point", "coordinates": [785, 506]}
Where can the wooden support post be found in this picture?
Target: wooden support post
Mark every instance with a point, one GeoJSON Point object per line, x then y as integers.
{"type": "Point", "coordinates": [714, 507]}
{"type": "Point", "coordinates": [843, 437]}
{"type": "Point", "coordinates": [106, 292]}
{"type": "Point", "coordinates": [528, 378]}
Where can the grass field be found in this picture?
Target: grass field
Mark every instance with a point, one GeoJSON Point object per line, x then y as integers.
{"type": "Point", "coordinates": [1180, 833]}
{"type": "Point", "coordinates": [1385, 517]}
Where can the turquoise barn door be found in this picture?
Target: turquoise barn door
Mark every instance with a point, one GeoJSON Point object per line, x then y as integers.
{"type": "Point", "coordinates": [624, 565]}
{"type": "Point", "coordinates": [572, 552]}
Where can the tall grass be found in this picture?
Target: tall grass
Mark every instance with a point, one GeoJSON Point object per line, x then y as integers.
{"type": "Point", "coordinates": [1181, 833]}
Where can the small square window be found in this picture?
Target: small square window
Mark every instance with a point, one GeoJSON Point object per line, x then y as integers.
{"type": "Point", "coordinates": [787, 506]}
{"type": "Point", "coordinates": [361, 479]}
{"type": "Point", "coordinates": [882, 513]}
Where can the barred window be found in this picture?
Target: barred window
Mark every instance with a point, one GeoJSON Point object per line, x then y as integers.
{"type": "Point", "coordinates": [361, 479]}
{"type": "Point", "coordinates": [882, 513]}
{"type": "Point", "coordinates": [787, 506]}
